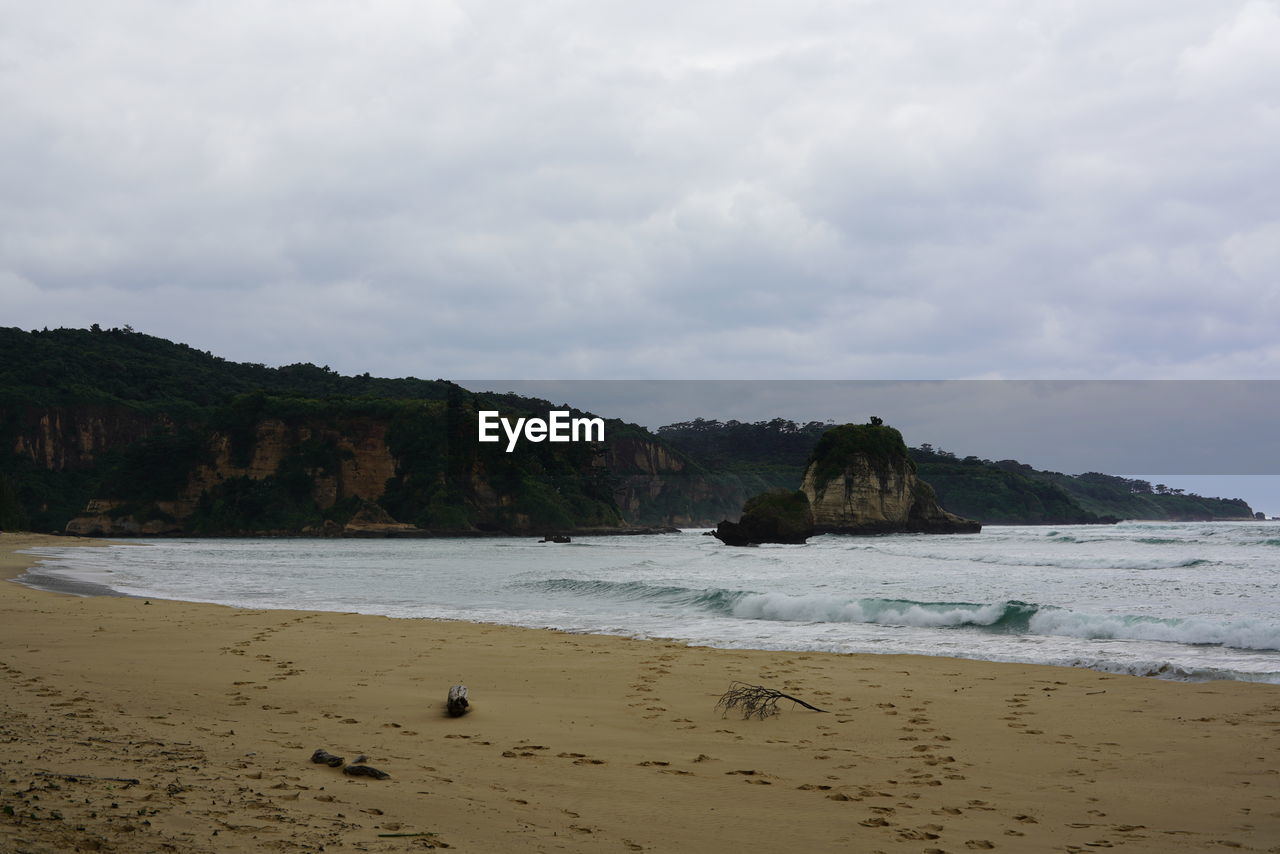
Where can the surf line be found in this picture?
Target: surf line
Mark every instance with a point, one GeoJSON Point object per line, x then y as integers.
{"type": "Point", "coordinates": [558, 426]}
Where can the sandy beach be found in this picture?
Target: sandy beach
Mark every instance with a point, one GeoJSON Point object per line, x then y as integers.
{"type": "Point", "coordinates": [135, 725]}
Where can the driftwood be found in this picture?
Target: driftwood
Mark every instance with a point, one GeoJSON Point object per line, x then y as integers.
{"type": "Point", "coordinates": [756, 701]}
{"type": "Point", "coordinates": [75, 778]}
{"type": "Point", "coordinates": [324, 757]}
{"type": "Point", "coordinates": [365, 771]}
{"type": "Point", "coordinates": [457, 704]}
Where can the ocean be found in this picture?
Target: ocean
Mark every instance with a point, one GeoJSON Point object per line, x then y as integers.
{"type": "Point", "coordinates": [1186, 601]}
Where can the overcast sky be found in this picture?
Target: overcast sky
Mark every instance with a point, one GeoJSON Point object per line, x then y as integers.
{"type": "Point", "coordinates": [559, 189]}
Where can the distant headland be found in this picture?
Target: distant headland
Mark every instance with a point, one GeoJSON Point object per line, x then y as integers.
{"type": "Point", "coordinates": [114, 432]}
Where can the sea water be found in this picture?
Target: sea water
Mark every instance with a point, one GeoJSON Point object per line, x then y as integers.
{"type": "Point", "coordinates": [1190, 601]}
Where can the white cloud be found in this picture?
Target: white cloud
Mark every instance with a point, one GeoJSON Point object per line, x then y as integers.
{"type": "Point", "coordinates": [470, 188]}
{"type": "Point", "coordinates": [1254, 256]}
{"type": "Point", "coordinates": [1240, 57]}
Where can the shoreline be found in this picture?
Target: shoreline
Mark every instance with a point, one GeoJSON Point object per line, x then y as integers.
{"type": "Point", "coordinates": [577, 742]}
{"type": "Point", "coordinates": [1220, 659]}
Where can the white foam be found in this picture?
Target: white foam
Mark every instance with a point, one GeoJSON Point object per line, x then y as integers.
{"type": "Point", "coordinates": [829, 609]}
{"type": "Point", "coordinates": [1241, 634]}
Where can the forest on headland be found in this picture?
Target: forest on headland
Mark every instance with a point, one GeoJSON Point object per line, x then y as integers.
{"type": "Point", "coordinates": [117, 432]}
{"type": "Point", "coordinates": [1000, 492]}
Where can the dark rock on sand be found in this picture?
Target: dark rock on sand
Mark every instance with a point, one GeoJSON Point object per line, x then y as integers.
{"type": "Point", "coordinates": [324, 757]}
{"type": "Point", "coordinates": [365, 771]}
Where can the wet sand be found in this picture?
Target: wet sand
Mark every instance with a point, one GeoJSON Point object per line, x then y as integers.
{"type": "Point", "coordinates": [131, 725]}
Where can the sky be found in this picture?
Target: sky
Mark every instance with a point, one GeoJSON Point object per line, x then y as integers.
{"type": "Point", "coordinates": [1040, 189]}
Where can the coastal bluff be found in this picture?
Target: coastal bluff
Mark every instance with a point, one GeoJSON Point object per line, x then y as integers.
{"type": "Point", "coordinates": [860, 480]}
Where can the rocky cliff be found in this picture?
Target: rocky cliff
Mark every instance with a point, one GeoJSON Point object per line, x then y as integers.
{"type": "Point", "coordinates": [860, 481]}
{"type": "Point", "coordinates": [64, 438]}
{"type": "Point", "coordinates": [655, 485]}
{"type": "Point", "coordinates": [415, 470]}
{"type": "Point", "coordinates": [347, 463]}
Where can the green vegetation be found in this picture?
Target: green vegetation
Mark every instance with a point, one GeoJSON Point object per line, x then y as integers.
{"type": "Point", "coordinates": [46, 499]}
{"type": "Point", "coordinates": [881, 446]}
{"type": "Point", "coordinates": [1010, 492]}
{"type": "Point", "coordinates": [736, 460]}
{"type": "Point", "coordinates": [787, 510]}
{"type": "Point", "coordinates": [1004, 492]}
{"type": "Point", "coordinates": [736, 445]}
{"type": "Point", "coordinates": [61, 367]}
{"type": "Point", "coordinates": [152, 412]}
{"type": "Point", "coordinates": [115, 414]}
{"type": "Point", "coordinates": [1137, 499]}
{"type": "Point", "coordinates": [996, 493]}
{"type": "Point", "coordinates": [12, 516]}
{"type": "Point", "coordinates": [245, 505]}
{"type": "Point", "coordinates": [155, 468]}
{"type": "Point", "coordinates": [775, 516]}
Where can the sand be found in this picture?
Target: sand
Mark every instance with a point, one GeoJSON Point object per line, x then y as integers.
{"type": "Point", "coordinates": [130, 725]}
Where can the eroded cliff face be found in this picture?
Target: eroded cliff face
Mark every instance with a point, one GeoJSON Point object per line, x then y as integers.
{"type": "Point", "coordinates": [338, 460]}
{"type": "Point", "coordinates": [105, 517]}
{"type": "Point", "coordinates": [657, 487]}
{"type": "Point", "coordinates": [874, 495]}
{"type": "Point", "coordinates": [68, 438]}
{"type": "Point", "coordinates": [861, 496]}
{"type": "Point", "coordinates": [361, 463]}
{"type": "Point", "coordinates": [364, 461]}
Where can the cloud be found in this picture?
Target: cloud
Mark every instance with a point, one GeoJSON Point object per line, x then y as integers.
{"type": "Point", "coordinates": [588, 189]}
{"type": "Point", "coordinates": [1238, 58]}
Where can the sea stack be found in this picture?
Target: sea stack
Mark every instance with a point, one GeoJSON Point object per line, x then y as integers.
{"type": "Point", "coordinates": [776, 516]}
{"type": "Point", "coordinates": [860, 480]}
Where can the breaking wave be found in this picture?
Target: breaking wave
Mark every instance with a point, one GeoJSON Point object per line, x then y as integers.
{"type": "Point", "coordinates": [1102, 563]}
{"type": "Point", "coordinates": [1008, 617]}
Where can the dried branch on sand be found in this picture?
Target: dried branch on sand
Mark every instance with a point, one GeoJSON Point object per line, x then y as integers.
{"type": "Point", "coordinates": [756, 701]}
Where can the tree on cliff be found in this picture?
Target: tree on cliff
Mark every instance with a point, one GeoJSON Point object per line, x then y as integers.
{"type": "Point", "coordinates": [12, 516]}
